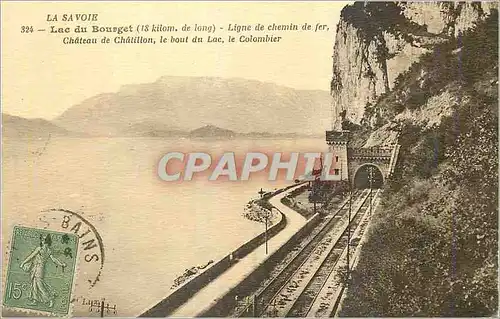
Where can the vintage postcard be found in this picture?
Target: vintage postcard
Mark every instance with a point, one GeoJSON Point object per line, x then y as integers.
{"type": "Point", "coordinates": [249, 159]}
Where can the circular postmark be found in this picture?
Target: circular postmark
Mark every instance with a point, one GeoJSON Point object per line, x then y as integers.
{"type": "Point", "coordinates": [91, 250]}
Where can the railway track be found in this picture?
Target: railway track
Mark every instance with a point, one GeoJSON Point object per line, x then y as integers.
{"type": "Point", "coordinates": [296, 296]}
{"type": "Point", "coordinates": [289, 287]}
{"type": "Point", "coordinates": [325, 296]}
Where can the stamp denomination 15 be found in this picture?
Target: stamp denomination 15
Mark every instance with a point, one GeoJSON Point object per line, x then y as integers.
{"type": "Point", "coordinates": [41, 270]}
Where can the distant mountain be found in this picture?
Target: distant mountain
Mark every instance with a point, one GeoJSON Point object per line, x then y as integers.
{"type": "Point", "coordinates": [212, 131]}
{"type": "Point", "coordinates": [172, 105]}
{"type": "Point", "coordinates": [258, 135]}
{"type": "Point", "coordinates": [15, 126]}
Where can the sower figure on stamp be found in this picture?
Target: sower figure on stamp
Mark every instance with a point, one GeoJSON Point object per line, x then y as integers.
{"type": "Point", "coordinates": [41, 292]}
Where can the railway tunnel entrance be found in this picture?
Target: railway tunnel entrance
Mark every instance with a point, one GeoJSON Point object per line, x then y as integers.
{"type": "Point", "coordinates": [368, 174]}
{"type": "Point", "coordinates": [357, 164]}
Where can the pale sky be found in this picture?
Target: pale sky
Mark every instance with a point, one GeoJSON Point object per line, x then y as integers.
{"type": "Point", "coordinates": [41, 77]}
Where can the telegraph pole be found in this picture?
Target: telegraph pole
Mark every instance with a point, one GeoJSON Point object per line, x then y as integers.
{"type": "Point", "coordinates": [315, 185]}
{"type": "Point", "coordinates": [266, 216]}
{"type": "Point", "coordinates": [349, 232]}
{"type": "Point", "coordinates": [370, 179]}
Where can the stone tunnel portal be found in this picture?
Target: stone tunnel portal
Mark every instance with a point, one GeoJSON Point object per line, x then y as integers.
{"type": "Point", "coordinates": [362, 177]}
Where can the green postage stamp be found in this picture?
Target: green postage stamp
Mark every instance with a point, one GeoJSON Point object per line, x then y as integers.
{"type": "Point", "coordinates": [41, 270]}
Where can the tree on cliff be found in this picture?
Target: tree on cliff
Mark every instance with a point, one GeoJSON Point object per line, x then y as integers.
{"type": "Point", "coordinates": [372, 20]}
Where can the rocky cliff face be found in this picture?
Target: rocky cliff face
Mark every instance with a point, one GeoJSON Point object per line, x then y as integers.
{"type": "Point", "coordinates": [442, 110]}
{"type": "Point", "coordinates": [376, 42]}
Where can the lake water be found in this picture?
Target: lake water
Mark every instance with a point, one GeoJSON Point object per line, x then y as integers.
{"type": "Point", "coordinates": [152, 230]}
